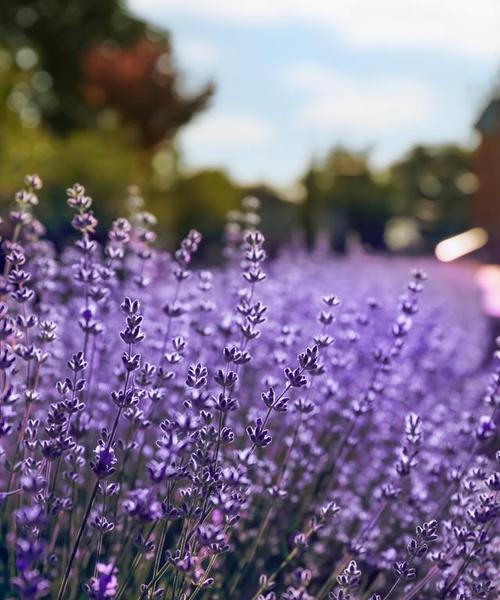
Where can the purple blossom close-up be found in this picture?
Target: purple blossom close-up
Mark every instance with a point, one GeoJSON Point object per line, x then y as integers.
{"type": "Point", "coordinates": [306, 427]}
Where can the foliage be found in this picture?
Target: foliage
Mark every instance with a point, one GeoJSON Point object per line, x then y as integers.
{"type": "Point", "coordinates": [351, 197]}
{"type": "Point", "coordinates": [168, 432]}
{"type": "Point", "coordinates": [84, 57]}
{"type": "Point", "coordinates": [432, 185]}
{"type": "Point", "coordinates": [435, 184]}
{"type": "Point", "coordinates": [209, 193]}
{"type": "Point", "coordinates": [110, 162]}
{"type": "Point", "coordinates": [90, 92]}
{"type": "Point", "coordinates": [105, 159]}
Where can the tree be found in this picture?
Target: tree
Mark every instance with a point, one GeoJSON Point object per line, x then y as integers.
{"type": "Point", "coordinates": [434, 184]}
{"type": "Point", "coordinates": [351, 198]}
{"type": "Point", "coordinates": [200, 200]}
{"type": "Point", "coordinates": [309, 207]}
{"type": "Point", "coordinates": [92, 55]}
{"type": "Point", "coordinates": [90, 93]}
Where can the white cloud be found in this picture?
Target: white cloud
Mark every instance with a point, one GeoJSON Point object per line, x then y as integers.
{"type": "Point", "coordinates": [196, 53]}
{"type": "Point", "coordinates": [227, 132]}
{"type": "Point", "coordinates": [256, 11]}
{"type": "Point", "coordinates": [458, 27]}
{"type": "Point", "coordinates": [216, 139]}
{"type": "Point", "coordinates": [360, 109]}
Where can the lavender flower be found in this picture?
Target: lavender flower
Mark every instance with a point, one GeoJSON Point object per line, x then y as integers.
{"type": "Point", "coordinates": [172, 432]}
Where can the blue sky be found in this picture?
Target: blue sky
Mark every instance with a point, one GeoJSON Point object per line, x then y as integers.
{"type": "Point", "coordinates": [295, 77]}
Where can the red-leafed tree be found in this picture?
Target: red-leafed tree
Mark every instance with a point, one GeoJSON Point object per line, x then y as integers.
{"type": "Point", "coordinates": [141, 84]}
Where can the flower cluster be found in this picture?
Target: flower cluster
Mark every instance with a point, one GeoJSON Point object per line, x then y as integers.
{"type": "Point", "coordinates": [303, 428]}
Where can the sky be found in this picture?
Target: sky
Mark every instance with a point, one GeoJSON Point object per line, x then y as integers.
{"type": "Point", "coordinates": [296, 77]}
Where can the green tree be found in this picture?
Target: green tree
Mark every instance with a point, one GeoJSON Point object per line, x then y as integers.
{"type": "Point", "coordinates": [309, 207]}
{"type": "Point", "coordinates": [200, 200]}
{"type": "Point", "coordinates": [434, 184]}
{"type": "Point", "coordinates": [351, 198]}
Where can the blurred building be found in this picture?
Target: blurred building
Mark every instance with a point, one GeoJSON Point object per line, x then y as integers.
{"type": "Point", "coordinates": [486, 206]}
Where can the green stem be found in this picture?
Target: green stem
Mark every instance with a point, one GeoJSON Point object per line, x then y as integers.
{"type": "Point", "coordinates": [134, 566]}
{"type": "Point", "coordinates": [290, 556]}
{"type": "Point", "coordinates": [77, 541]}
{"type": "Point", "coordinates": [159, 550]}
{"type": "Point", "coordinates": [205, 577]}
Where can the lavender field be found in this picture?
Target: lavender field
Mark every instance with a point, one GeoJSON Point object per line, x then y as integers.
{"type": "Point", "coordinates": [303, 428]}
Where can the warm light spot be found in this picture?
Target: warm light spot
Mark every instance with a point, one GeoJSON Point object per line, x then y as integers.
{"type": "Point", "coordinates": [488, 279]}
{"type": "Point", "coordinates": [401, 233]}
{"type": "Point", "coordinates": [461, 244]}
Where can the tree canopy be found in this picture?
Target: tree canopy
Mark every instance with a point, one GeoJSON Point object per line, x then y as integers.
{"type": "Point", "coordinates": [93, 56]}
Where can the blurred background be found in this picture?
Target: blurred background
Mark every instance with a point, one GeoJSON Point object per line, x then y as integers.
{"type": "Point", "coordinates": [373, 122]}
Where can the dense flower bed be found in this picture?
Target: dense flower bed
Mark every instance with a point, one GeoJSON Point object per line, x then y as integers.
{"type": "Point", "coordinates": [305, 428]}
